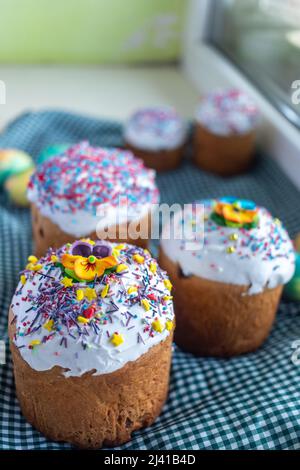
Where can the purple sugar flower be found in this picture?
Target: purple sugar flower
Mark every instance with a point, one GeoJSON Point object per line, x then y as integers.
{"type": "Point", "coordinates": [100, 249]}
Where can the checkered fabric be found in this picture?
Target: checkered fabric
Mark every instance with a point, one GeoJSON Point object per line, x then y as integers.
{"type": "Point", "coordinates": [250, 402]}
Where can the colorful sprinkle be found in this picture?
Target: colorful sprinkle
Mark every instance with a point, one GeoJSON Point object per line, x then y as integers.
{"type": "Point", "coordinates": [84, 177]}
{"type": "Point", "coordinates": [90, 293]}
{"type": "Point", "coordinates": [117, 339]}
{"type": "Point", "coordinates": [121, 268]}
{"type": "Point", "coordinates": [169, 325]}
{"type": "Point", "coordinates": [79, 294]}
{"type": "Point", "coordinates": [158, 326]}
{"type": "Point", "coordinates": [66, 282]}
{"type": "Point", "coordinates": [120, 307]}
{"type": "Point", "coordinates": [139, 259]}
{"type": "Point", "coordinates": [145, 304]}
{"type": "Point", "coordinates": [49, 325]}
{"type": "Point", "coordinates": [105, 291]}
{"type": "Point", "coordinates": [82, 319]}
{"type": "Point", "coordinates": [168, 284]}
{"type": "Point", "coordinates": [32, 259]}
{"type": "Point", "coordinates": [153, 267]}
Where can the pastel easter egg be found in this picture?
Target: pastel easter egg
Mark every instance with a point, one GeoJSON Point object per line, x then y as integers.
{"type": "Point", "coordinates": [50, 151]}
{"type": "Point", "coordinates": [297, 243]}
{"type": "Point", "coordinates": [292, 289]}
{"type": "Point", "coordinates": [13, 162]}
{"type": "Point", "coordinates": [16, 187]}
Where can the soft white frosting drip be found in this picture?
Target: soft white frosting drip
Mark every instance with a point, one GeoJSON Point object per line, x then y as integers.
{"type": "Point", "coordinates": [227, 112]}
{"type": "Point", "coordinates": [91, 349]}
{"type": "Point", "coordinates": [155, 129]}
{"type": "Point", "coordinates": [82, 223]}
{"type": "Point", "coordinates": [262, 257]}
{"type": "Point", "coordinates": [88, 188]}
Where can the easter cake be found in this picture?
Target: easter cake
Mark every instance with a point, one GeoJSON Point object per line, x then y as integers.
{"type": "Point", "coordinates": [228, 274]}
{"type": "Point", "coordinates": [157, 135]}
{"type": "Point", "coordinates": [91, 192]}
{"type": "Point", "coordinates": [91, 328]}
{"type": "Point", "coordinates": [226, 121]}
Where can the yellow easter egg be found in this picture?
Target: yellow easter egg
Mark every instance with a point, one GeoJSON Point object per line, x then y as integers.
{"type": "Point", "coordinates": [13, 162]}
{"type": "Point", "coordinates": [16, 187]}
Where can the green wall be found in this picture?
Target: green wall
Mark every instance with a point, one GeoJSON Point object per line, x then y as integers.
{"type": "Point", "coordinates": [90, 31]}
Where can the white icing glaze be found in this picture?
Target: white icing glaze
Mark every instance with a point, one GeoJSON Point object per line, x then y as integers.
{"type": "Point", "coordinates": [227, 112]}
{"type": "Point", "coordinates": [84, 189]}
{"type": "Point", "coordinates": [263, 257]}
{"type": "Point", "coordinates": [82, 223]}
{"type": "Point", "coordinates": [65, 348]}
{"type": "Point", "coordinates": [155, 129]}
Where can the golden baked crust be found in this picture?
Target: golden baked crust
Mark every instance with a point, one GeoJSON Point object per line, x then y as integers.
{"type": "Point", "coordinates": [216, 319]}
{"type": "Point", "coordinates": [224, 155]}
{"type": "Point", "coordinates": [91, 411]}
{"type": "Point", "coordinates": [47, 234]}
{"type": "Point", "coordinates": [162, 160]}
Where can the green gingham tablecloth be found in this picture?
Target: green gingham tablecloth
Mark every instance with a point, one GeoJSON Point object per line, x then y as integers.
{"type": "Point", "coordinates": [249, 402]}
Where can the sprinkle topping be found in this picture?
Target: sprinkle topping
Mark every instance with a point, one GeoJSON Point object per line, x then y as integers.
{"type": "Point", "coordinates": [155, 128]}
{"type": "Point", "coordinates": [238, 243]}
{"type": "Point", "coordinates": [85, 177]}
{"type": "Point", "coordinates": [99, 323]}
{"type": "Point", "coordinates": [227, 112]}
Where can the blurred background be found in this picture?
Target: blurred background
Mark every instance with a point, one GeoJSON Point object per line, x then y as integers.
{"type": "Point", "coordinates": [108, 57]}
{"type": "Point", "coordinates": [91, 31]}
{"type": "Point", "coordinates": [262, 37]}
{"type": "Point", "coordinates": [102, 57]}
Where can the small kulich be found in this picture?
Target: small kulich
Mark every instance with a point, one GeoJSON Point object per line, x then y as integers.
{"type": "Point", "coordinates": [225, 128]}
{"type": "Point", "coordinates": [157, 135]}
{"type": "Point", "coordinates": [160, 160]}
{"type": "Point", "coordinates": [223, 155]}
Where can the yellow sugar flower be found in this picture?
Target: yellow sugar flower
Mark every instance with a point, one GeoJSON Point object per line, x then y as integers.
{"type": "Point", "coordinates": [88, 268]}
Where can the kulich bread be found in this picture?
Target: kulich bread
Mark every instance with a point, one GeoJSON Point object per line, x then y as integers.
{"type": "Point", "coordinates": [224, 138]}
{"type": "Point", "coordinates": [86, 192]}
{"type": "Point", "coordinates": [157, 136]}
{"type": "Point", "coordinates": [46, 233]}
{"type": "Point", "coordinates": [223, 155]}
{"type": "Point", "coordinates": [227, 275]}
{"type": "Point", "coordinates": [163, 160]}
{"type": "Point", "coordinates": [218, 319]}
{"type": "Point", "coordinates": [91, 327]}
{"type": "Point", "coordinates": [91, 411]}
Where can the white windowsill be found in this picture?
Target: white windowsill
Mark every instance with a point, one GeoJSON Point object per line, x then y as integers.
{"type": "Point", "coordinates": [111, 92]}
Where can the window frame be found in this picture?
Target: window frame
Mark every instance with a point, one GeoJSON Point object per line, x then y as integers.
{"type": "Point", "coordinates": [206, 68]}
{"type": "Point", "coordinates": [273, 93]}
